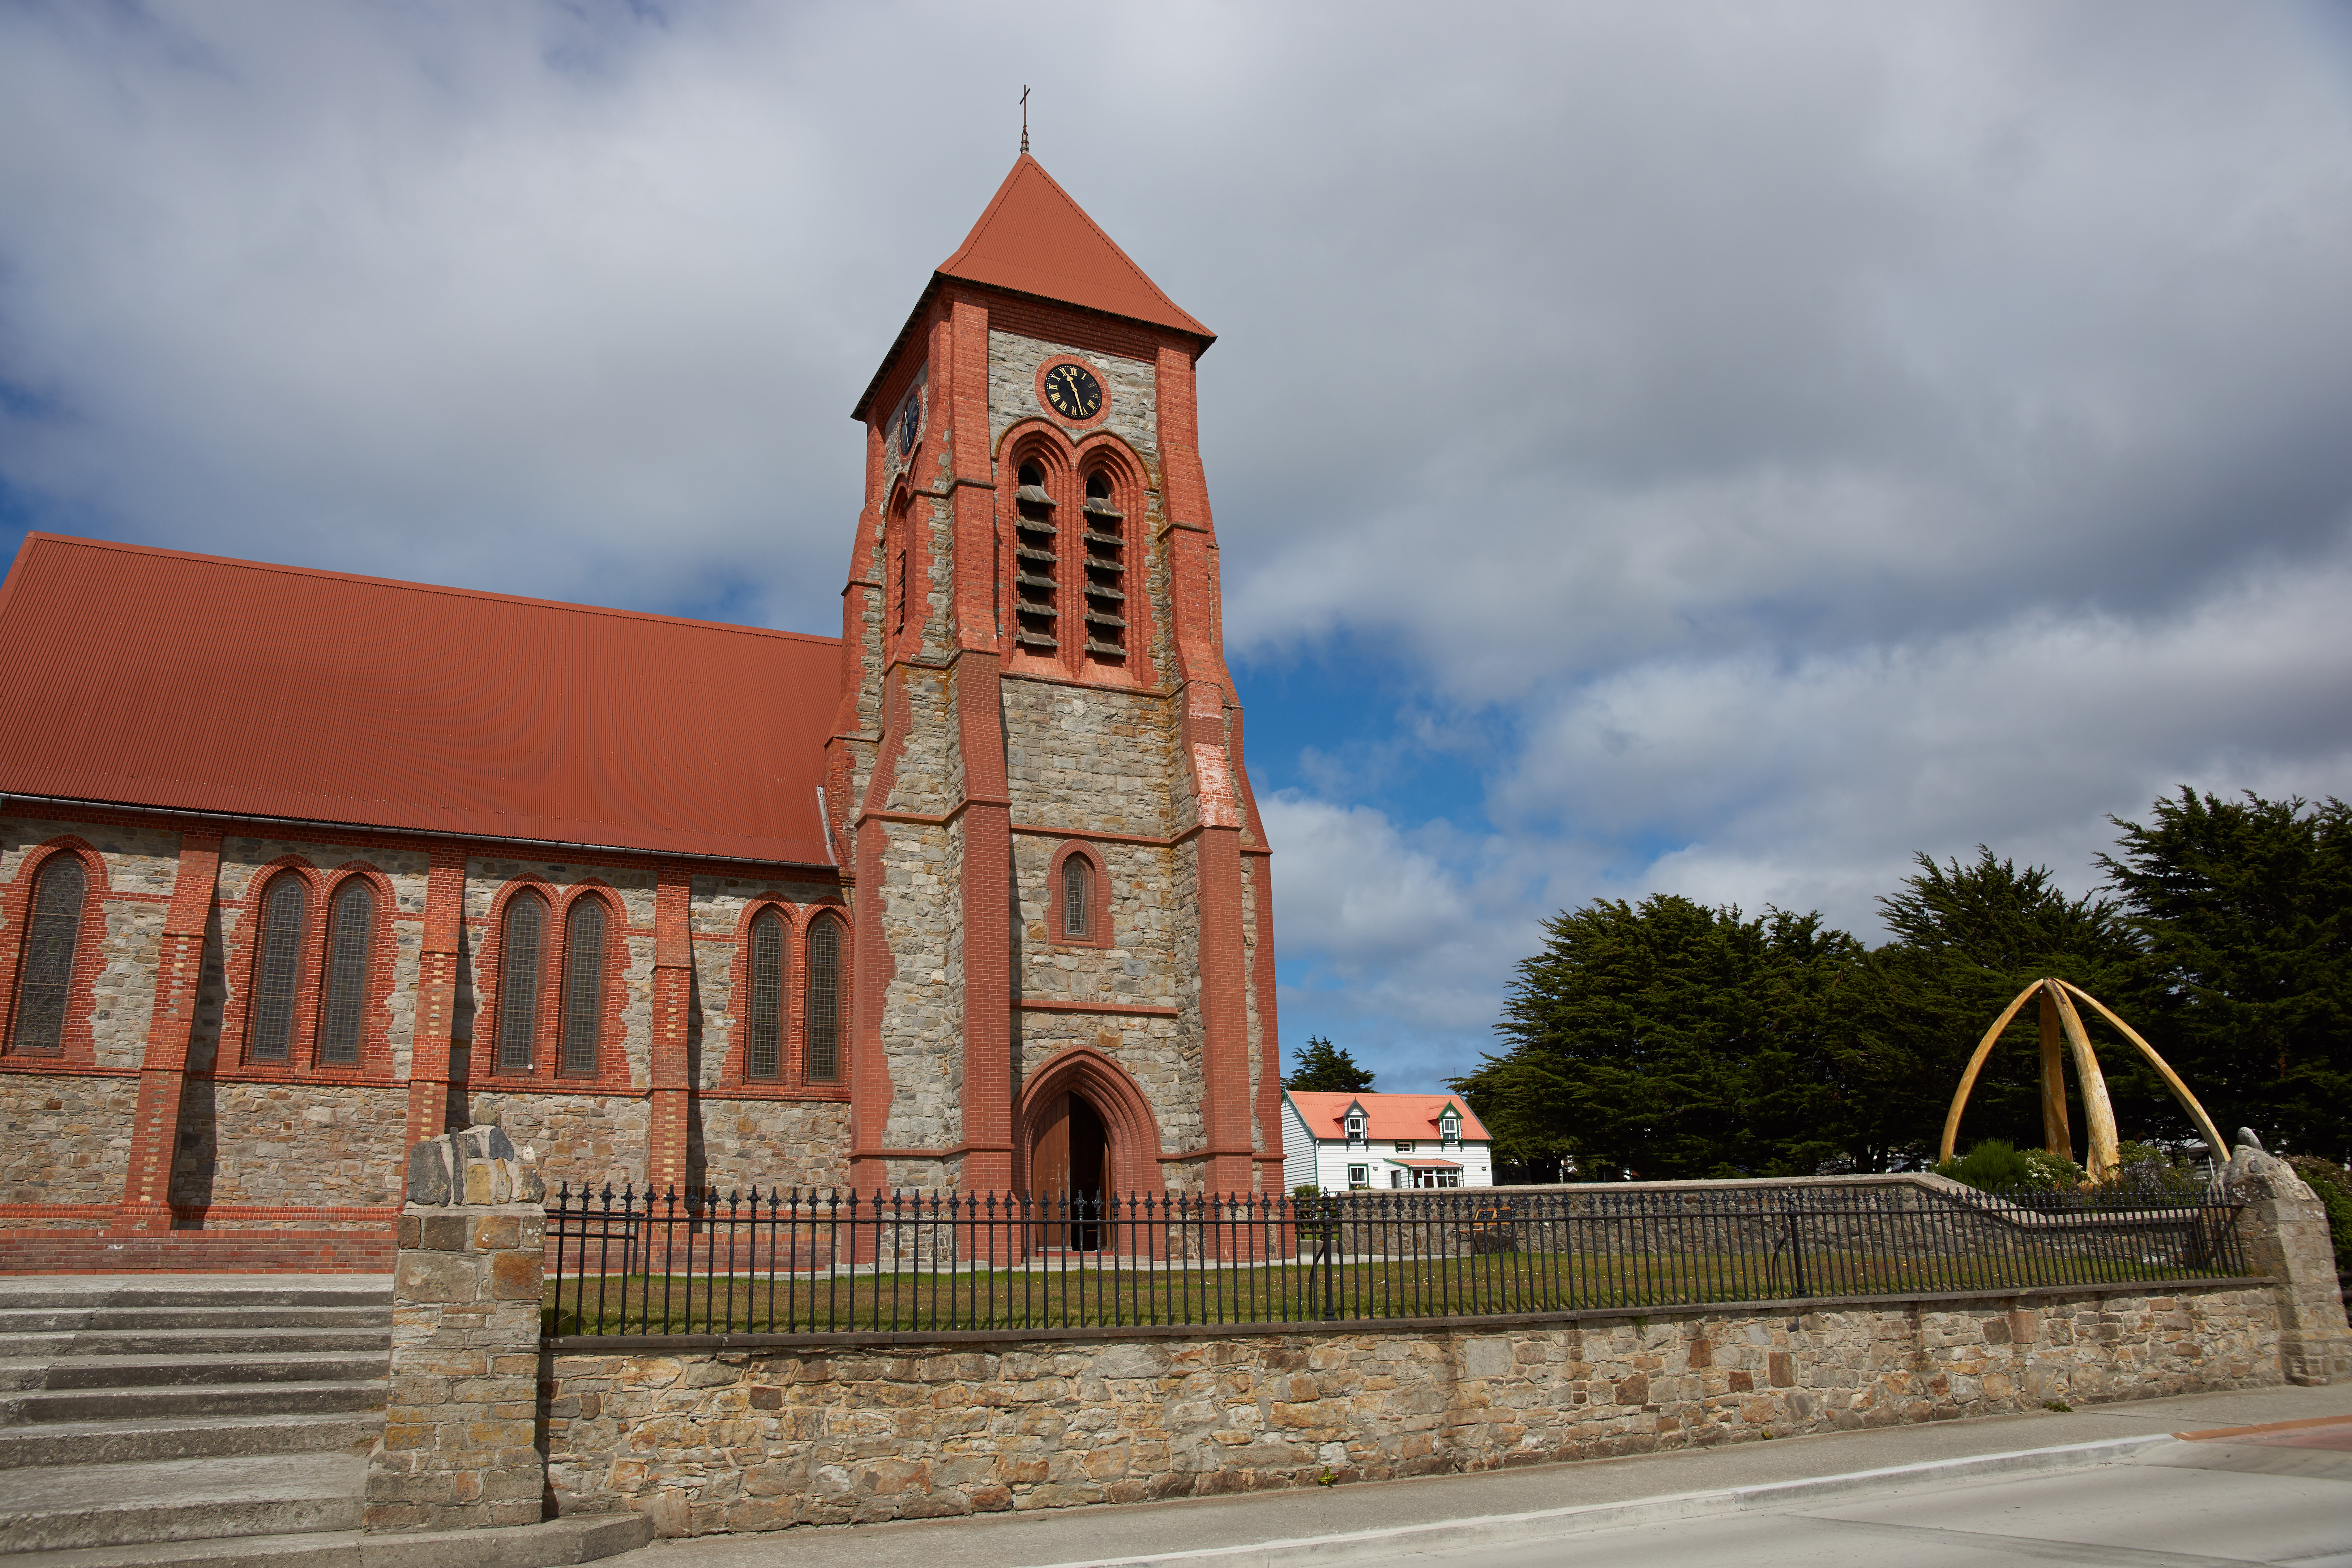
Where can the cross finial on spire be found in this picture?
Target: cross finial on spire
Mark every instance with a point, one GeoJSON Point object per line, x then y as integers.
{"type": "Point", "coordinates": [1025, 117]}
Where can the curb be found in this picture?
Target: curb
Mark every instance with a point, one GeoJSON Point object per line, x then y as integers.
{"type": "Point", "coordinates": [544, 1546]}
{"type": "Point", "coordinates": [1518, 1529]}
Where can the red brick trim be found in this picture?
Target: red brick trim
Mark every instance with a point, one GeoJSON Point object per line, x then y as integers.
{"type": "Point", "coordinates": [1124, 1010]}
{"type": "Point", "coordinates": [1107, 455]}
{"type": "Point", "coordinates": [736, 1071]}
{"type": "Point", "coordinates": [843, 1012]}
{"type": "Point", "coordinates": [545, 1073]}
{"type": "Point", "coordinates": [1098, 922]}
{"type": "Point", "coordinates": [75, 1049]}
{"type": "Point", "coordinates": [241, 964]}
{"type": "Point", "coordinates": [1135, 1143]}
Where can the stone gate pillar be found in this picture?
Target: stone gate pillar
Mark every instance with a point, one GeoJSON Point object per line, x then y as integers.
{"type": "Point", "coordinates": [2285, 1231]}
{"type": "Point", "coordinates": [459, 1446]}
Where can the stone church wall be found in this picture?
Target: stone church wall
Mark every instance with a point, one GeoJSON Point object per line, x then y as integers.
{"type": "Point", "coordinates": [773, 1142]}
{"type": "Point", "coordinates": [65, 1139]}
{"type": "Point", "coordinates": [1012, 361]}
{"type": "Point", "coordinates": [1090, 757]}
{"type": "Point", "coordinates": [317, 1146]}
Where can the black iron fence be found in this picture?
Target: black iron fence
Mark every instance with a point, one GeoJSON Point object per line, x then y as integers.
{"type": "Point", "coordinates": [778, 1262]}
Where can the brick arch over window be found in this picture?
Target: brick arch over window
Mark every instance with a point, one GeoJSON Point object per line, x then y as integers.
{"type": "Point", "coordinates": [819, 1032]}
{"type": "Point", "coordinates": [273, 965]}
{"type": "Point", "coordinates": [590, 910]}
{"type": "Point", "coordinates": [1134, 1134]}
{"type": "Point", "coordinates": [747, 1001]}
{"type": "Point", "coordinates": [517, 945]}
{"type": "Point", "coordinates": [22, 953]}
{"type": "Point", "coordinates": [1075, 861]}
{"type": "Point", "coordinates": [1038, 506]}
{"type": "Point", "coordinates": [375, 953]}
{"type": "Point", "coordinates": [903, 568]}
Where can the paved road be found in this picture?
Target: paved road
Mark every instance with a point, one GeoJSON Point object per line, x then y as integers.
{"type": "Point", "coordinates": [2189, 1506]}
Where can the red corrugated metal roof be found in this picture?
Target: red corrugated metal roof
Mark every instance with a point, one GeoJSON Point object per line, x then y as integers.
{"type": "Point", "coordinates": [156, 678]}
{"type": "Point", "coordinates": [1386, 1116]}
{"type": "Point", "coordinates": [1033, 239]}
{"type": "Point", "coordinates": [1426, 1164]}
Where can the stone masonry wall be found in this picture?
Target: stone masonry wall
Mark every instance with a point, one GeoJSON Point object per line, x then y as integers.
{"type": "Point", "coordinates": [773, 1142]}
{"type": "Point", "coordinates": [65, 1139]}
{"type": "Point", "coordinates": [584, 1139]}
{"type": "Point", "coordinates": [759, 1439]}
{"type": "Point", "coordinates": [320, 1145]}
{"type": "Point", "coordinates": [1132, 386]}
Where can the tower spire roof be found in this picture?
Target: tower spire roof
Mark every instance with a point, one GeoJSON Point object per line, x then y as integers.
{"type": "Point", "coordinates": [1033, 239]}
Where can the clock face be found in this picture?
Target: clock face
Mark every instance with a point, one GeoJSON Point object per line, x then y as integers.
{"type": "Point", "coordinates": [1073, 392]}
{"type": "Point", "coordinates": [911, 423]}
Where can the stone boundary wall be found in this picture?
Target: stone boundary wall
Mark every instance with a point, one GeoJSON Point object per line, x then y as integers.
{"type": "Point", "coordinates": [758, 1434]}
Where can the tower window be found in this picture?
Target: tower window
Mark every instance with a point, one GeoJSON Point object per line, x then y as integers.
{"type": "Point", "coordinates": [46, 979]}
{"type": "Point", "coordinates": [823, 1004]}
{"type": "Point", "coordinates": [762, 1054]}
{"type": "Point", "coordinates": [1036, 564]}
{"type": "Point", "coordinates": [1077, 897]}
{"type": "Point", "coordinates": [1106, 584]}
{"type": "Point", "coordinates": [584, 984]}
{"type": "Point", "coordinates": [521, 943]}
{"type": "Point", "coordinates": [347, 952]}
{"type": "Point", "coordinates": [278, 973]}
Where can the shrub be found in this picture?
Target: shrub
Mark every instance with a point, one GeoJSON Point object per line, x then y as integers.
{"type": "Point", "coordinates": [1996, 1165]}
{"type": "Point", "coordinates": [2149, 1168]}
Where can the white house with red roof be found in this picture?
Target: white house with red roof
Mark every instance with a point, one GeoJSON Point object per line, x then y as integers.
{"type": "Point", "coordinates": [1339, 1142]}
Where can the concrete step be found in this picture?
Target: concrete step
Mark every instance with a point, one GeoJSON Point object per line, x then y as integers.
{"type": "Point", "coordinates": [189, 1316]}
{"type": "Point", "coordinates": [52, 1509]}
{"type": "Point", "coordinates": [158, 1340]}
{"type": "Point", "coordinates": [522, 1546]}
{"type": "Point", "coordinates": [47, 1405]}
{"type": "Point", "coordinates": [148, 1438]}
{"type": "Point", "coordinates": [168, 1371]}
{"type": "Point", "coordinates": [58, 1292]}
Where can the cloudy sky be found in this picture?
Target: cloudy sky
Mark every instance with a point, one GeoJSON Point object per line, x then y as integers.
{"type": "Point", "coordinates": [1709, 448]}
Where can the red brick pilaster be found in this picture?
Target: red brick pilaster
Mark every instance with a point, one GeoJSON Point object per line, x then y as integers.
{"type": "Point", "coordinates": [670, 1090]}
{"type": "Point", "coordinates": [436, 994]}
{"type": "Point", "coordinates": [1224, 1016]}
{"type": "Point", "coordinates": [178, 981]}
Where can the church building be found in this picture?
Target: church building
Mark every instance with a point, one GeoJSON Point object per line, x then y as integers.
{"type": "Point", "coordinates": [297, 868]}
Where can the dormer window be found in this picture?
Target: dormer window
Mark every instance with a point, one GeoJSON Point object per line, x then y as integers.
{"type": "Point", "coordinates": [1450, 1129]}
{"type": "Point", "coordinates": [1355, 1127]}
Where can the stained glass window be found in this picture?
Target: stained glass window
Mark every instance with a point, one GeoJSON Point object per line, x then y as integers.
{"type": "Point", "coordinates": [46, 978]}
{"type": "Point", "coordinates": [584, 984]}
{"type": "Point", "coordinates": [346, 990]}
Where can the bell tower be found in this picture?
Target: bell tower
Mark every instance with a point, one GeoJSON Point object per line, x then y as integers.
{"type": "Point", "coordinates": [1063, 914]}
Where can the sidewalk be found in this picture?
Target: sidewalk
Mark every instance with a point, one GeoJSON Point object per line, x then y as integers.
{"type": "Point", "coordinates": [1204, 1525]}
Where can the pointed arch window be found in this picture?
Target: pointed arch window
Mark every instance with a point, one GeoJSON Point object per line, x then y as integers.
{"type": "Point", "coordinates": [763, 1044]}
{"type": "Point", "coordinates": [1106, 564]}
{"type": "Point", "coordinates": [45, 980]}
{"type": "Point", "coordinates": [1036, 564]}
{"type": "Point", "coordinates": [584, 984]}
{"type": "Point", "coordinates": [278, 970]}
{"type": "Point", "coordinates": [821, 1005]}
{"type": "Point", "coordinates": [1078, 898]}
{"type": "Point", "coordinates": [348, 929]}
{"type": "Point", "coordinates": [522, 944]}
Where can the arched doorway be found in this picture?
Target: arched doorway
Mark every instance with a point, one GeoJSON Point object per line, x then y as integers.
{"type": "Point", "coordinates": [1069, 1166]}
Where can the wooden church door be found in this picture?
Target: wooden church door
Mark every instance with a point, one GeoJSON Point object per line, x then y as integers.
{"type": "Point", "coordinates": [1069, 1161]}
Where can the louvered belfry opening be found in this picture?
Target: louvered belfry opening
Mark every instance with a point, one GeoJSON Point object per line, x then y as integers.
{"type": "Point", "coordinates": [352, 922]}
{"type": "Point", "coordinates": [278, 973]}
{"type": "Point", "coordinates": [521, 941]}
{"type": "Point", "coordinates": [1106, 574]}
{"type": "Point", "coordinates": [763, 1051]}
{"type": "Point", "coordinates": [1035, 565]}
{"type": "Point", "coordinates": [46, 979]}
{"type": "Point", "coordinates": [822, 1006]}
{"type": "Point", "coordinates": [584, 984]}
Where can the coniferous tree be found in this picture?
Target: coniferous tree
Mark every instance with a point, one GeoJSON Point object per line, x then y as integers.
{"type": "Point", "coordinates": [1323, 1068]}
{"type": "Point", "coordinates": [1669, 1039]}
{"type": "Point", "coordinates": [2245, 908]}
